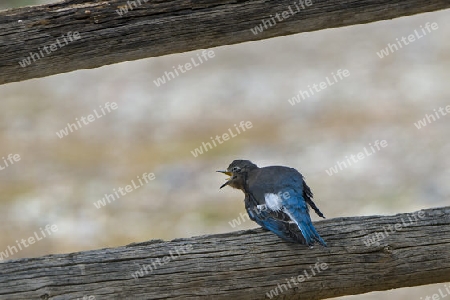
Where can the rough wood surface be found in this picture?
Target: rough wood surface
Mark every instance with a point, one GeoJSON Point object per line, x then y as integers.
{"type": "Point", "coordinates": [159, 27]}
{"type": "Point", "coordinates": [248, 264]}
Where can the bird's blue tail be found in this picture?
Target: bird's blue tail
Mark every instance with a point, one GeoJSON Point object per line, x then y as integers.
{"type": "Point", "coordinates": [297, 209]}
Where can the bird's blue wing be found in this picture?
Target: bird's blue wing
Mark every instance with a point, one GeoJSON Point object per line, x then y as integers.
{"type": "Point", "coordinates": [296, 207]}
{"type": "Point", "coordinates": [275, 221]}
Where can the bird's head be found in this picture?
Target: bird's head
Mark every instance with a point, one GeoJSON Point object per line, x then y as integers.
{"type": "Point", "coordinates": [238, 171]}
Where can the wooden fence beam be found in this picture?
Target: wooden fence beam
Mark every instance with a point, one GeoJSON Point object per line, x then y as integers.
{"type": "Point", "coordinates": [372, 253]}
{"type": "Point", "coordinates": [39, 41]}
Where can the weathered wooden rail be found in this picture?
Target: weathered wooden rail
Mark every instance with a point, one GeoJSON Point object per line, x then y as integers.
{"type": "Point", "coordinates": [151, 28]}
{"type": "Point", "coordinates": [404, 250]}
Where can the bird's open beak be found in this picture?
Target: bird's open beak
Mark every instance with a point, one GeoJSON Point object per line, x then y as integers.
{"type": "Point", "coordinates": [225, 172]}
{"type": "Point", "coordinates": [229, 179]}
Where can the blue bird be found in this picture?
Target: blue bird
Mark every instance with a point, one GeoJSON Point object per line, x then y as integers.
{"type": "Point", "coordinates": [276, 198]}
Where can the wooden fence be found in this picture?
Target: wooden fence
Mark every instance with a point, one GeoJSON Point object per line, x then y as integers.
{"type": "Point", "coordinates": [365, 253]}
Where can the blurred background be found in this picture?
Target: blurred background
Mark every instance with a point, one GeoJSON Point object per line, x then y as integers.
{"type": "Point", "coordinates": [154, 129]}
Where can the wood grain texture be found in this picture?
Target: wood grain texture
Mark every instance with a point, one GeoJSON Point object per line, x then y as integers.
{"type": "Point", "coordinates": [160, 27]}
{"type": "Point", "coordinates": [247, 264]}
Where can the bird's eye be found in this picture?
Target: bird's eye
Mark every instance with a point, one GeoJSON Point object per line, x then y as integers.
{"type": "Point", "coordinates": [236, 169]}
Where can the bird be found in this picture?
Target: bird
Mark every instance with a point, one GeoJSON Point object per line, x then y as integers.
{"type": "Point", "coordinates": [276, 198]}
